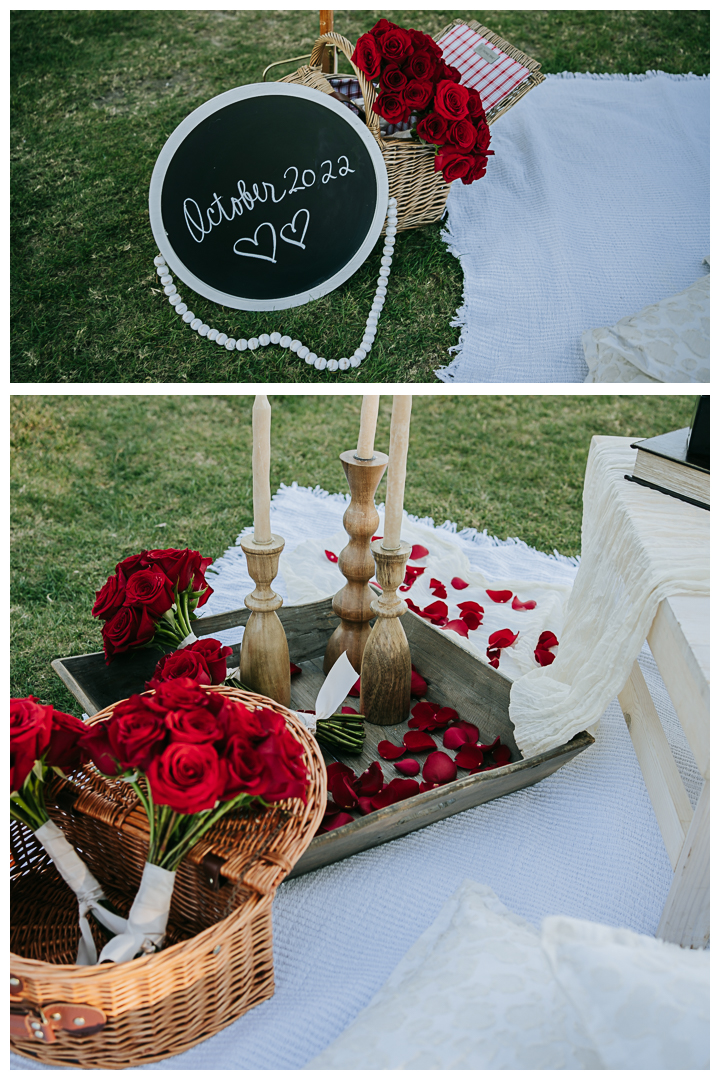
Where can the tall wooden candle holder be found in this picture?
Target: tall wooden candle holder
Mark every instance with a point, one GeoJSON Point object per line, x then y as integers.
{"type": "Point", "coordinates": [353, 603]}
{"type": "Point", "coordinates": [386, 667]}
{"type": "Point", "coordinates": [264, 656]}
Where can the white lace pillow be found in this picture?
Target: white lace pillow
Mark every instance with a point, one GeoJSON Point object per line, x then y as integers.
{"type": "Point", "coordinates": [665, 342]}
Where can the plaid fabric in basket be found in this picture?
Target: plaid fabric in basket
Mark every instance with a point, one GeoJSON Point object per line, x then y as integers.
{"type": "Point", "coordinates": [351, 88]}
{"type": "Point", "coordinates": [493, 79]}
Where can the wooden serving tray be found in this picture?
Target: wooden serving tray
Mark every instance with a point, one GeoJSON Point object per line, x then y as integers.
{"type": "Point", "coordinates": [480, 694]}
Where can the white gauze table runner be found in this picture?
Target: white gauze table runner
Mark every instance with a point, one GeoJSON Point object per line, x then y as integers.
{"type": "Point", "coordinates": [596, 204]}
{"type": "Point", "coordinates": [584, 842]}
{"type": "Point", "coordinates": [639, 546]}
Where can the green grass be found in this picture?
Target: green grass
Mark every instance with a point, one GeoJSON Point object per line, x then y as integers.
{"type": "Point", "coordinates": [94, 96]}
{"type": "Point", "coordinates": [97, 478]}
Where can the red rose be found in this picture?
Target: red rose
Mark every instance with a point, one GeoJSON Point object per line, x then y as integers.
{"type": "Point", "coordinates": [445, 71]}
{"type": "Point", "coordinates": [183, 568]}
{"type": "Point", "coordinates": [270, 766]}
{"type": "Point", "coordinates": [381, 27]}
{"type": "Point", "coordinates": [392, 108]}
{"type": "Point", "coordinates": [95, 746]}
{"type": "Point", "coordinates": [30, 731]}
{"type": "Point", "coordinates": [418, 93]}
{"type": "Point", "coordinates": [238, 719]}
{"type": "Point", "coordinates": [367, 56]}
{"type": "Point", "coordinates": [452, 163]}
{"type": "Point", "coordinates": [478, 168]}
{"type": "Point", "coordinates": [393, 79]}
{"type": "Point", "coordinates": [131, 565]}
{"type": "Point", "coordinates": [475, 105]}
{"type": "Point", "coordinates": [395, 44]}
{"type": "Point", "coordinates": [182, 664]}
{"type": "Point", "coordinates": [183, 694]}
{"type": "Point", "coordinates": [64, 750]}
{"type": "Point", "coordinates": [451, 100]}
{"type": "Point", "coordinates": [421, 65]}
{"type": "Point", "coordinates": [482, 137]}
{"type": "Point", "coordinates": [187, 777]}
{"type": "Point", "coordinates": [462, 134]}
{"type": "Point", "coordinates": [131, 626]}
{"type": "Point", "coordinates": [423, 42]}
{"type": "Point", "coordinates": [151, 589]}
{"type": "Point", "coordinates": [109, 599]}
{"type": "Point", "coordinates": [214, 656]}
{"type": "Point", "coordinates": [135, 734]}
{"type": "Point", "coordinates": [433, 129]}
{"type": "Point", "coordinates": [193, 726]}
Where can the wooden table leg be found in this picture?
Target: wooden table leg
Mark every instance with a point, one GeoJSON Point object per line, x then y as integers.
{"type": "Point", "coordinates": [686, 916]}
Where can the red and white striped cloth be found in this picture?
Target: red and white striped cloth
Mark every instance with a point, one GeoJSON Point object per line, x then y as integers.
{"type": "Point", "coordinates": [493, 79]}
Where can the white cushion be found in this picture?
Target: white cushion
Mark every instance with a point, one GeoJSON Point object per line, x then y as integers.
{"type": "Point", "coordinates": [665, 342]}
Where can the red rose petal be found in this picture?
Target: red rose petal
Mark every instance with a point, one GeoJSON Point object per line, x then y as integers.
{"type": "Point", "coordinates": [469, 757]}
{"type": "Point", "coordinates": [496, 754]}
{"type": "Point", "coordinates": [458, 583]}
{"type": "Point", "coordinates": [435, 610]}
{"type": "Point", "coordinates": [332, 808]}
{"type": "Point", "coordinates": [544, 657]}
{"type": "Point", "coordinates": [471, 619]}
{"type": "Point", "coordinates": [394, 792]}
{"type": "Point", "coordinates": [418, 552]}
{"type": "Point", "coordinates": [547, 640]}
{"type": "Point", "coordinates": [417, 741]}
{"type": "Point", "coordinates": [355, 692]}
{"type": "Point", "coordinates": [414, 607]}
{"type": "Point", "coordinates": [411, 573]}
{"type": "Point", "coordinates": [427, 787]}
{"type": "Point", "coordinates": [458, 626]}
{"type": "Point", "coordinates": [440, 592]}
{"type": "Point", "coordinates": [342, 792]}
{"type": "Point", "coordinates": [472, 732]}
{"type": "Point", "coordinates": [335, 821]}
{"type": "Point", "coordinates": [471, 605]}
{"type": "Point", "coordinates": [454, 738]}
{"type": "Point", "coordinates": [502, 755]}
{"type": "Point", "coordinates": [500, 596]}
{"type": "Point", "coordinates": [336, 768]}
{"type": "Point", "coordinates": [377, 537]}
{"type": "Point", "coordinates": [389, 751]}
{"type": "Point", "coordinates": [424, 710]}
{"type": "Point", "coordinates": [371, 781]}
{"type": "Point", "coordinates": [445, 715]}
{"type": "Point", "coordinates": [408, 766]}
{"type": "Point", "coordinates": [331, 556]}
{"type": "Point", "coordinates": [365, 805]}
{"type": "Point", "coordinates": [518, 604]}
{"type": "Point", "coordinates": [493, 657]}
{"type": "Point", "coordinates": [501, 639]}
{"type": "Point", "coordinates": [442, 622]}
{"type": "Point", "coordinates": [349, 711]}
{"type": "Point", "coordinates": [439, 768]}
{"type": "Point", "coordinates": [295, 669]}
{"type": "Point", "coordinates": [418, 686]}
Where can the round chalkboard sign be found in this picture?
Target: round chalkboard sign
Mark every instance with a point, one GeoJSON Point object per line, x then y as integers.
{"type": "Point", "coordinates": [268, 196]}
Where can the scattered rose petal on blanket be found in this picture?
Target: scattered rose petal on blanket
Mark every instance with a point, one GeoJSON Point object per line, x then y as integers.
{"type": "Point", "coordinates": [331, 556]}
{"type": "Point", "coordinates": [376, 538]}
{"type": "Point", "coordinates": [408, 766]}
{"type": "Point", "coordinates": [471, 605]}
{"type": "Point", "coordinates": [418, 552]}
{"type": "Point", "coordinates": [295, 669]}
{"type": "Point", "coordinates": [439, 768]}
{"type": "Point", "coordinates": [389, 751]}
{"type": "Point", "coordinates": [471, 619]}
{"type": "Point", "coordinates": [502, 639]}
{"type": "Point", "coordinates": [544, 657]}
{"type": "Point", "coordinates": [519, 605]}
{"type": "Point", "coordinates": [414, 607]}
{"type": "Point", "coordinates": [500, 596]}
{"type": "Point", "coordinates": [547, 640]}
{"type": "Point", "coordinates": [411, 573]}
{"type": "Point", "coordinates": [458, 583]}
{"type": "Point", "coordinates": [458, 626]}
{"type": "Point", "coordinates": [334, 821]}
{"type": "Point", "coordinates": [418, 686]}
{"type": "Point", "coordinates": [435, 610]}
{"type": "Point", "coordinates": [493, 656]}
{"type": "Point", "coordinates": [370, 782]}
{"type": "Point", "coordinates": [418, 741]}
{"type": "Point", "coordinates": [469, 757]}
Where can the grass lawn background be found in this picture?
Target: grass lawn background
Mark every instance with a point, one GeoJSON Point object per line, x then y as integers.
{"type": "Point", "coordinates": [94, 96]}
{"type": "Point", "coordinates": [93, 478]}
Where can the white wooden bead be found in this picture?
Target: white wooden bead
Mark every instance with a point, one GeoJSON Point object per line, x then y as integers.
{"type": "Point", "coordinates": [321, 363]}
{"type": "Point", "coordinates": [170, 289]}
{"type": "Point", "coordinates": [295, 346]}
{"type": "Point", "coordinates": [344, 364]}
{"type": "Point", "coordinates": [275, 338]}
{"type": "Point", "coordinates": [241, 344]}
{"type": "Point", "coordinates": [253, 343]}
{"type": "Point", "coordinates": [392, 201]}
{"type": "Point", "coordinates": [302, 351]}
{"type": "Point", "coordinates": [386, 260]}
{"type": "Point", "coordinates": [230, 344]}
{"type": "Point", "coordinates": [212, 334]}
{"type": "Point", "coordinates": [359, 354]}
{"type": "Point", "coordinates": [377, 305]}
{"type": "Point", "coordinates": [309, 359]}
{"type": "Point", "coordinates": [203, 330]}
{"type": "Point", "coordinates": [188, 316]}
{"type": "Point", "coordinates": [221, 339]}
{"type": "Point", "coordinates": [391, 230]}
{"type": "Point", "coordinates": [384, 272]}
{"type": "Point", "coordinates": [196, 324]}
{"type": "Point", "coordinates": [181, 309]}
{"type": "Point", "coordinates": [159, 260]}
{"type": "Point", "coordinates": [388, 249]}
{"type": "Point", "coordinates": [381, 289]}
{"type": "Point", "coordinates": [175, 299]}
{"type": "Point", "coordinates": [286, 341]}
{"type": "Point", "coordinates": [332, 365]}
{"type": "Point", "coordinates": [264, 339]}
{"type": "Point", "coordinates": [354, 362]}
{"type": "Point", "coordinates": [165, 279]}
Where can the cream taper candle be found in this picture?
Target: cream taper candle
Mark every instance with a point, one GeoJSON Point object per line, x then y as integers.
{"type": "Point", "coordinates": [368, 423]}
{"type": "Point", "coordinates": [261, 469]}
{"type": "Point", "coordinates": [399, 436]}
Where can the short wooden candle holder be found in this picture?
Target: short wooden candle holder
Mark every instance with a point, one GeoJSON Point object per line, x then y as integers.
{"type": "Point", "coordinates": [386, 666]}
{"type": "Point", "coordinates": [264, 656]}
{"type": "Point", "coordinates": [353, 603]}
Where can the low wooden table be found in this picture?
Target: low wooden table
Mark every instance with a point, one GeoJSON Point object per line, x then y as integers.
{"type": "Point", "coordinates": [680, 642]}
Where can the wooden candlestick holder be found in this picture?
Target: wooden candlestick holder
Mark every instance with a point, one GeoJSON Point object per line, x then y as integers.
{"type": "Point", "coordinates": [386, 667]}
{"type": "Point", "coordinates": [264, 656]}
{"type": "Point", "coordinates": [353, 603]}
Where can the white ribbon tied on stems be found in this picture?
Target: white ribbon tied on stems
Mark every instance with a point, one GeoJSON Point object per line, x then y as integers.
{"type": "Point", "coordinates": [187, 640]}
{"type": "Point", "coordinates": [147, 921]}
{"type": "Point", "coordinates": [339, 682]}
{"type": "Point", "coordinates": [85, 886]}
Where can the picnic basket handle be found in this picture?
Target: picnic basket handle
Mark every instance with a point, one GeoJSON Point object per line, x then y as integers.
{"type": "Point", "coordinates": [368, 90]}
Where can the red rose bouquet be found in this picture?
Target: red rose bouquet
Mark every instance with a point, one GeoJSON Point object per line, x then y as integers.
{"type": "Point", "coordinates": [191, 756]}
{"type": "Point", "coordinates": [151, 598]}
{"type": "Point", "coordinates": [43, 740]}
{"type": "Point", "coordinates": [416, 84]}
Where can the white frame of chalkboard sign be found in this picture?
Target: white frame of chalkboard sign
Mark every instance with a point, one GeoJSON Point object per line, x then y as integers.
{"type": "Point", "coordinates": [214, 105]}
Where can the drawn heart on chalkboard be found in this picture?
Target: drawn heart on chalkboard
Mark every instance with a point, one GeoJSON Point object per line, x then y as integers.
{"type": "Point", "coordinates": [291, 225]}
{"type": "Point", "coordinates": [254, 240]}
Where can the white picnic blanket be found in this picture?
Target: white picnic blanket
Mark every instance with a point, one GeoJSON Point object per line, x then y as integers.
{"type": "Point", "coordinates": [582, 843]}
{"type": "Point", "coordinates": [596, 204]}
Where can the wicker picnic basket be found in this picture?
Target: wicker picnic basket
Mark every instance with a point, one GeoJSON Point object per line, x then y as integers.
{"type": "Point", "coordinates": [217, 962]}
{"type": "Point", "coordinates": [421, 192]}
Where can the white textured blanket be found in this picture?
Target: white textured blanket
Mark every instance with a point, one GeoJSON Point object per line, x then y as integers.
{"type": "Point", "coordinates": [583, 843]}
{"type": "Point", "coordinates": [596, 204]}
